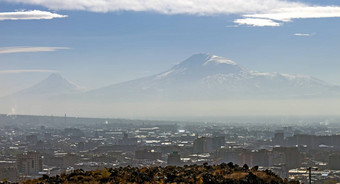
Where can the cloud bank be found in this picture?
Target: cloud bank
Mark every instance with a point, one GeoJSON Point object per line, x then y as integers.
{"type": "Point", "coordinates": [288, 14]}
{"type": "Point", "coordinates": [29, 15]}
{"type": "Point", "coordinates": [281, 15]}
{"type": "Point", "coordinates": [198, 7]}
{"type": "Point", "coordinates": [254, 12]}
{"type": "Point", "coordinates": [256, 22]}
{"type": "Point", "coordinates": [11, 50]}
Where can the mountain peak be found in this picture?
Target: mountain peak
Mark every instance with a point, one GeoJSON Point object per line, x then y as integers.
{"type": "Point", "coordinates": [54, 84]}
{"type": "Point", "coordinates": [203, 59]}
{"type": "Point", "coordinates": [55, 75]}
{"type": "Point", "coordinates": [219, 60]}
{"type": "Point", "coordinates": [55, 79]}
{"type": "Point", "coordinates": [202, 55]}
{"type": "Point", "coordinates": [203, 64]}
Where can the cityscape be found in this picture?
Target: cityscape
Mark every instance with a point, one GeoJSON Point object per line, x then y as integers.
{"type": "Point", "coordinates": [164, 91]}
{"type": "Point", "coordinates": [33, 146]}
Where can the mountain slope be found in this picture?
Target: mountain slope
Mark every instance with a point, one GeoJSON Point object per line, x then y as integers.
{"type": "Point", "coordinates": [201, 85]}
{"type": "Point", "coordinates": [210, 77]}
{"type": "Point", "coordinates": [54, 85]}
{"type": "Point", "coordinates": [38, 98]}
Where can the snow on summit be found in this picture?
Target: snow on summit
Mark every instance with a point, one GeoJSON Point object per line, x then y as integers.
{"type": "Point", "coordinates": [204, 59]}
{"type": "Point", "coordinates": [219, 60]}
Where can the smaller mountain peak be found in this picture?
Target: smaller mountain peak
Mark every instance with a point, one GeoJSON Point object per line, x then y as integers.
{"type": "Point", "coordinates": [54, 76]}
{"type": "Point", "coordinates": [53, 85]}
{"type": "Point", "coordinates": [57, 82]}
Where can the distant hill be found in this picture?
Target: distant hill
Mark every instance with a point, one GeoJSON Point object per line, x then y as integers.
{"type": "Point", "coordinates": [38, 97]}
{"type": "Point", "coordinates": [53, 85]}
{"type": "Point", "coordinates": [223, 173]}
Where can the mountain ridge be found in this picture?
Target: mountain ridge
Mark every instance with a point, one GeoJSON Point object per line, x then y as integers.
{"type": "Point", "coordinates": [202, 82]}
{"type": "Point", "coordinates": [215, 76]}
{"type": "Point", "coordinates": [53, 85]}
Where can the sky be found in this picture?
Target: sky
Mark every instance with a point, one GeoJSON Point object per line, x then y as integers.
{"type": "Point", "coordinates": [95, 43]}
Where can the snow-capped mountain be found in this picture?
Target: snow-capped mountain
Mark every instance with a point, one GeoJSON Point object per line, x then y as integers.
{"type": "Point", "coordinates": [202, 84]}
{"type": "Point", "coordinates": [200, 77]}
{"type": "Point", "coordinates": [210, 77]}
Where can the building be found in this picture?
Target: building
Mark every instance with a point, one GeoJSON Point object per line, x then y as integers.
{"type": "Point", "coordinates": [278, 138]}
{"type": "Point", "coordinates": [32, 139]}
{"type": "Point", "coordinates": [218, 142]}
{"type": "Point", "coordinates": [69, 160]}
{"type": "Point", "coordinates": [148, 154]}
{"type": "Point", "coordinates": [9, 171]}
{"type": "Point", "coordinates": [29, 163]}
{"type": "Point", "coordinates": [227, 155]}
{"type": "Point", "coordinates": [314, 141]}
{"type": "Point", "coordinates": [290, 156]}
{"type": "Point", "coordinates": [246, 157]}
{"type": "Point", "coordinates": [174, 159]}
{"type": "Point", "coordinates": [208, 144]}
{"type": "Point", "coordinates": [260, 158]}
{"type": "Point", "coordinates": [202, 145]}
{"type": "Point", "coordinates": [334, 162]}
{"type": "Point", "coordinates": [127, 141]}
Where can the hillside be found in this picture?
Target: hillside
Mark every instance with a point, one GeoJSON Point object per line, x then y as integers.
{"type": "Point", "coordinates": [211, 77]}
{"type": "Point", "coordinates": [53, 85]}
{"type": "Point", "coordinates": [223, 173]}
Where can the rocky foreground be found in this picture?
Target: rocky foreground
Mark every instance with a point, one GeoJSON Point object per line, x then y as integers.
{"type": "Point", "coordinates": [223, 173]}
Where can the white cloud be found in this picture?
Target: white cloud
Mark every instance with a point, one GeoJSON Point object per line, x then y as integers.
{"type": "Point", "coordinates": [256, 22]}
{"type": "Point", "coordinates": [198, 7]}
{"type": "Point", "coordinates": [26, 71]}
{"type": "Point", "coordinates": [303, 34]}
{"type": "Point", "coordinates": [306, 12]}
{"type": "Point", "coordinates": [10, 50]}
{"type": "Point", "coordinates": [29, 15]}
{"type": "Point", "coordinates": [254, 12]}
{"type": "Point", "coordinates": [288, 14]}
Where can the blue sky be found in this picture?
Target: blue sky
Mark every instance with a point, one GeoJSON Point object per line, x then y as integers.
{"type": "Point", "coordinates": [97, 45]}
